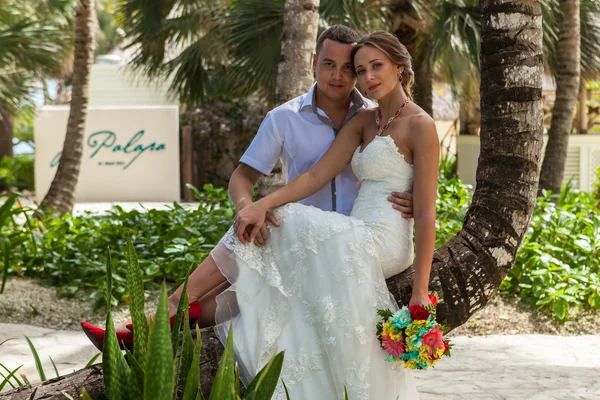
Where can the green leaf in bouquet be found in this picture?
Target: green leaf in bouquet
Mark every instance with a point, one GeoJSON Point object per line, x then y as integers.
{"type": "Point", "coordinates": [223, 387]}
{"type": "Point", "coordinates": [192, 382]}
{"type": "Point", "coordinates": [135, 283]}
{"type": "Point", "coordinates": [158, 382]}
{"type": "Point", "coordinates": [264, 383]}
{"type": "Point", "coordinates": [385, 314]}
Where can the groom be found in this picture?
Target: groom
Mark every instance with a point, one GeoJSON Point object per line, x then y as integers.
{"type": "Point", "coordinates": [300, 131]}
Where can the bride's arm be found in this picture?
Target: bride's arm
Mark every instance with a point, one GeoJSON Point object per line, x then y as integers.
{"type": "Point", "coordinates": [331, 164]}
{"type": "Point", "coordinates": [425, 149]}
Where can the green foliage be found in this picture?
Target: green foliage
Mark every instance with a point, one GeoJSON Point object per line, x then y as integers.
{"type": "Point", "coordinates": [596, 190]}
{"type": "Point", "coordinates": [558, 266]}
{"type": "Point", "coordinates": [162, 366]}
{"type": "Point", "coordinates": [17, 172]}
{"type": "Point", "coordinates": [452, 201]}
{"type": "Point", "coordinates": [72, 249]}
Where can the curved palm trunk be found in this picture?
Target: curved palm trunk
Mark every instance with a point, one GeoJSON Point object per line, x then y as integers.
{"type": "Point", "coordinates": [6, 133]}
{"type": "Point", "coordinates": [294, 74]}
{"type": "Point", "coordinates": [567, 90]}
{"type": "Point", "coordinates": [61, 195]}
{"type": "Point", "coordinates": [468, 269]}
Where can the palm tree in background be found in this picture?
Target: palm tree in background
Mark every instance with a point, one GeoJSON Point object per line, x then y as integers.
{"type": "Point", "coordinates": [33, 44]}
{"type": "Point", "coordinates": [61, 195]}
{"type": "Point", "coordinates": [567, 89]}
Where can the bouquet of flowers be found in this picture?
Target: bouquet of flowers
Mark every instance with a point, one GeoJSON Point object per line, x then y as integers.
{"type": "Point", "coordinates": [412, 336]}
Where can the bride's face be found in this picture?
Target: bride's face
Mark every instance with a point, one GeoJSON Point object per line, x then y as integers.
{"type": "Point", "coordinates": [376, 73]}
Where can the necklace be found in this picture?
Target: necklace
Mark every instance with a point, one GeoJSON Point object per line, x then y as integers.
{"type": "Point", "coordinates": [381, 130]}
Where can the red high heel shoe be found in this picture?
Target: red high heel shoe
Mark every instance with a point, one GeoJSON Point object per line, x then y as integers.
{"type": "Point", "coordinates": [194, 312]}
{"type": "Point", "coordinates": [96, 336]}
{"type": "Point", "coordinates": [125, 339]}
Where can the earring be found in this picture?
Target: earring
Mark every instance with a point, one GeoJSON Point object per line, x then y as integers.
{"type": "Point", "coordinates": [400, 78]}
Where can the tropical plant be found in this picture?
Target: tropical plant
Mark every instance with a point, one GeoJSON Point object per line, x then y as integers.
{"type": "Point", "coordinates": [558, 268]}
{"type": "Point", "coordinates": [13, 381]}
{"type": "Point", "coordinates": [33, 42]}
{"type": "Point", "coordinates": [12, 233]}
{"type": "Point", "coordinates": [159, 368]}
{"type": "Point", "coordinates": [596, 190]}
{"type": "Point", "coordinates": [224, 48]}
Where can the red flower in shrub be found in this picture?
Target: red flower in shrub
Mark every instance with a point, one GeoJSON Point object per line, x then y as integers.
{"type": "Point", "coordinates": [433, 299]}
{"type": "Point", "coordinates": [418, 313]}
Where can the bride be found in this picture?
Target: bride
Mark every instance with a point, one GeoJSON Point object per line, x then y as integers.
{"type": "Point", "coordinates": [314, 288]}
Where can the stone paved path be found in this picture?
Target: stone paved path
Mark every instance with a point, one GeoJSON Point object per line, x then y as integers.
{"type": "Point", "coordinates": [522, 367]}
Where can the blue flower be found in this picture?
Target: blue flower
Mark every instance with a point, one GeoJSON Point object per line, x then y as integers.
{"type": "Point", "coordinates": [410, 355]}
{"type": "Point", "coordinates": [401, 319]}
{"type": "Point", "coordinates": [416, 341]}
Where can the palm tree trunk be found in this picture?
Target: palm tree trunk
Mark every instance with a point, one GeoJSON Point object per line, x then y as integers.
{"type": "Point", "coordinates": [423, 90]}
{"type": "Point", "coordinates": [61, 195]}
{"type": "Point", "coordinates": [582, 109]}
{"type": "Point", "coordinates": [298, 42]}
{"type": "Point", "coordinates": [6, 133]}
{"type": "Point", "coordinates": [567, 89]}
{"type": "Point", "coordinates": [409, 29]}
{"type": "Point", "coordinates": [467, 270]}
{"type": "Point", "coordinates": [294, 74]}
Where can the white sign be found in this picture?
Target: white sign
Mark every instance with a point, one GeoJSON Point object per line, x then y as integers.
{"type": "Point", "coordinates": [129, 153]}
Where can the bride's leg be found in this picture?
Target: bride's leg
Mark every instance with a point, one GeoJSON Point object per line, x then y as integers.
{"type": "Point", "coordinates": [202, 280]}
{"type": "Point", "coordinates": [209, 305]}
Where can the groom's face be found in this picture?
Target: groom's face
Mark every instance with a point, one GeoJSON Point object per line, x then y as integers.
{"type": "Point", "coordinates": [333, 70]}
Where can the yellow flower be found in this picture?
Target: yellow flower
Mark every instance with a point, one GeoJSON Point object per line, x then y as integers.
{"type": "Point", "coordinates": [424, 356]}
{"type": "Point", "coordinates": [387, 326]}
{"type": "Point", "coordinates": [419, 324]}
{"type": "Point", "coordinates": [412, 364]}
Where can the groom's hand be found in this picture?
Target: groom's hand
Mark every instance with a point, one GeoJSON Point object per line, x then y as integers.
{"type": "Point", "coordinates": [403, 202]}
{"type": "Point", "coordinates": [263, 233]}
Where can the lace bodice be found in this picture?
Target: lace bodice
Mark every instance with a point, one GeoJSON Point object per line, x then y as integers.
{"type": "Point", "coordinates": [381, 169]}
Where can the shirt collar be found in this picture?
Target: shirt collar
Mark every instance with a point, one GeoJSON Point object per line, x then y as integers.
{"type": "Point", "coordinates": [357, 101]}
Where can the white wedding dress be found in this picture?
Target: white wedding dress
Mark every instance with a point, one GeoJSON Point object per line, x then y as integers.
{"type": "Point", "coordinates": [314, 289]}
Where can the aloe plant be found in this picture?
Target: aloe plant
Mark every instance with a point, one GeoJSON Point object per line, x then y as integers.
{"type": "Point", "coordinates": [159, 368]}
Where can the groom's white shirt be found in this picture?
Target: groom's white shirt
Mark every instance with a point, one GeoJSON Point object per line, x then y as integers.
{"type": "Point", "coordinates": [299, 133]}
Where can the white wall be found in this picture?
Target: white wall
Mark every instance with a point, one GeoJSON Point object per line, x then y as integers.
{"type": "Point", "coordinates": [114, 85]}
{"type": "Point", "coordinates": [129, 153]}
{"type": "Point", "coordinates": [582, 159]}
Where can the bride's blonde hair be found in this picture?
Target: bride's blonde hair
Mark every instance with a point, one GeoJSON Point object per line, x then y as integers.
{"type": "Point", "coordinates": [396, 51]}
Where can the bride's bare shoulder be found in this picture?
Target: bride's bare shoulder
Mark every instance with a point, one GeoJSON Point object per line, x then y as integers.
{"type": "Point", "coordinates": [366, 115]}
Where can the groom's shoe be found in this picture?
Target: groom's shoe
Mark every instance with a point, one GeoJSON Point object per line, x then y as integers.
{"type": "Point", "coordinates": [96, 336]}
{"type": "Point", "coordinates": [194, 313]}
